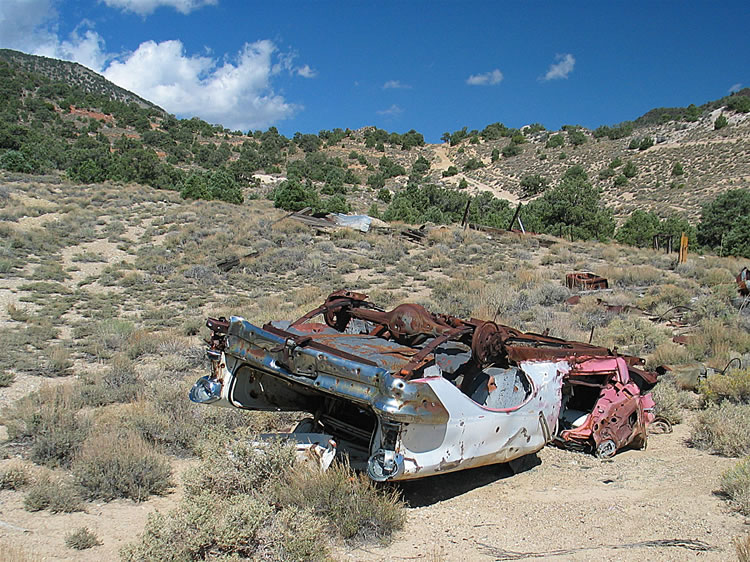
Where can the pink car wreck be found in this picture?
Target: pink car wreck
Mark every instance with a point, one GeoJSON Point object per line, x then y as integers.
{"type": "Point", "coordinates": [408, 393]}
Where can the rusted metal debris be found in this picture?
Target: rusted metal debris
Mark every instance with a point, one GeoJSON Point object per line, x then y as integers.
{"type": "Point", "coordinates": [408, 393]}
{"type": "Point", "coordinates": [229, 263]}
{"type": "Point", "coordinates": [743, 282]}
{"type": "Point", "coordinates": [585, 281]}
{"type": "Point", "coordinates": [325, 221]}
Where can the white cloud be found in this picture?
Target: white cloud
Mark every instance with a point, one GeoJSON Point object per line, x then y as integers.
{"type": "Point", "coordinates": [396, 85]}
{"type": "Point", "coordinates": [735, 87]}
{"type": "Point", "coordinates": [391, 111]}
{"type": "Point", "coordinates": [487, 79]}
{"type": "Point", "coordinates": [146, 7]}
{"type": "Point", "coordinates": [562, 68]}
{"type": "Point", "coordinates": [306, 72]}
{"type": "Point", "coordinates": [236, 94]}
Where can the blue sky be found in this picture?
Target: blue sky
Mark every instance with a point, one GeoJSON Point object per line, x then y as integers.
{"type": "Point", "coordinates": [431, 66]}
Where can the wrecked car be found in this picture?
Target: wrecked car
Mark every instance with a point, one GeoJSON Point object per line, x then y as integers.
{"type": "Point", "coordinates": [407, 393]}
{"type": "Point", "coordinates": [743, 282]}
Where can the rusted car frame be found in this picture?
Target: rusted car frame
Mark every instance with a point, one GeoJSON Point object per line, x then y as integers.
{"type": "Point", "coordinates": [408, 393]}
{"type": "Point", "coordinates": [585, 281]}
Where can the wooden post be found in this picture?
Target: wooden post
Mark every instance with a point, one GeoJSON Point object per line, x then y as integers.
{"type": "Point", "coordinates": [683, 248]}
{"type": "Point", "coordinates": [466, 213]}
{"type": "Point", "coordinates": [515, 216]}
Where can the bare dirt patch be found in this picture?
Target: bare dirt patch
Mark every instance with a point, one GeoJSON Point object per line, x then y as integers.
{"type": "Point", "coordinates": [572, 507]}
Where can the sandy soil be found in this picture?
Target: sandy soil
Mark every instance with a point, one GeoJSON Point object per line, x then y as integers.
{"type": "Point", "coordinates": [477, 186]}
{"type": "Point", "coordinates": [42, 534]}
{"type": "Point", "coordinates": [657, 504]}
{"type": "Point", "coordinates": [572, 507]}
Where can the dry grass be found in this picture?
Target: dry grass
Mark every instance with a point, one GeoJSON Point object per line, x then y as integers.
{"type": "Point", "coordinates": [15, 475]}
{"type": "Point", "coordinates": [82, 539]}
{"type": "Point", "coordinates": [742, 545]}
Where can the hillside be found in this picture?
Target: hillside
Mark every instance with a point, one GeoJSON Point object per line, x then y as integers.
{"type": "Point", "coordinates": [72, 74]}
{"type": "Point", "coordinates": [58, 116]}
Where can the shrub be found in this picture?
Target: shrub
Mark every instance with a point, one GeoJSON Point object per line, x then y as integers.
{"type": "Point", "coordinates": [56, 495]}
{"type": "Point", "coordinates": [740, 104]}
{"type": "Point", "coordinates": [291, 195]}
{"type": "Point", "coordinates": [721, 122]}
{"type": "Point", "coordinates": [240, 527]}
{"type": "Point", "coordinates": [637, 335]}
{"type": "Point", "coordinates": [473, 164]}
{"type": "Point", "coordinates": [533, 184]}
{"type": "Point", "coordinates": [555, 141]}
{"type": "Point", "coordinates": [82, 539]}
{"type": "Point", "coordinates": [677, 169]}
{"type": "Point", "coordinates": [349, 501]}
{"type": "Point", "coordinates": [723, 429]}
{"type": "Point", "coordinates": [735, 484]}
{"type": "Point", "coordinates": [15, 161]}
{"type": "Point", "coordinates": [238, 468]}
{"type": "Point", "coordinates": [384, 195]}
{"type": "Point", "coordinates": [112, 465]}
{"type": "Point", "coordinates": [6, 378]}
{"type": "Point", "coordinates": [512, 149]}
{"type": "Point", "coordinates": [48, 420]}
{"type": "Point", "coordinates": [56, 362]}
{"type": "Point", "coordinates": [670, 400]}
{"type": "Point", "coordinates": [646, 143]}
{"type": "Point", "coordinates": [733, 386]}
{"type": "Point", "coordinates": [630, 170]}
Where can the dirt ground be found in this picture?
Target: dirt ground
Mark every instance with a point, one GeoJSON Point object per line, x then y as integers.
{"type": "Point", "coordinates": [657, 504]}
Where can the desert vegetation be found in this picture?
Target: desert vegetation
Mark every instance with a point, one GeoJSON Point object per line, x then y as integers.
{"type": "Point", "coordinates": [115, 216]}
{"type": "Point", "coordinates": [103, 316]}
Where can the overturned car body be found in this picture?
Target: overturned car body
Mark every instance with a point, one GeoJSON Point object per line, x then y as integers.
{"type": "Point", "coordinates": [407, 393]}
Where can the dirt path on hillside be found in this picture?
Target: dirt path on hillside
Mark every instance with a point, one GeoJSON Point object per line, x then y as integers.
{"type": "Point", "coordinates": [477, 186]}
{"type": "Point", "coordinates": [573, 507]}
{"type": "Point", "coordinates": [443, 163]}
